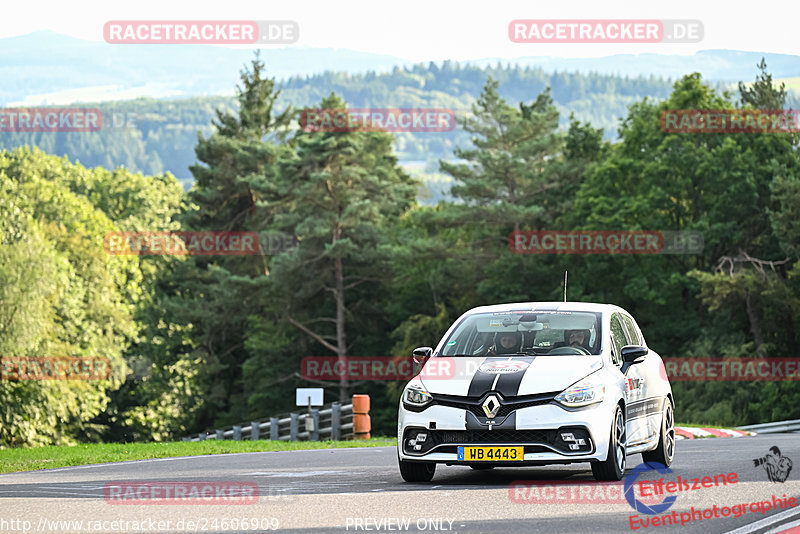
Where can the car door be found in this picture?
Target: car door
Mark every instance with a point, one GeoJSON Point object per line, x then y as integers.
{"type": "Point", "coordinates": [643, 380]}
{"type": "Point", "coordinates": [635, 422]}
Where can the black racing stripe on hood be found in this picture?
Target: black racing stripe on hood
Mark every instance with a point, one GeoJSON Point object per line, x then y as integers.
{"type": "Point", "coordinates": [481, 382]}
{"type": "Point", "coordinates": [508, 384]}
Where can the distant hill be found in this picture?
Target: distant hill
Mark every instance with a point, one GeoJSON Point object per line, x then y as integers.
{"type": "Point", "coordinates": [718, 65]}
{"type": "Point", "coordinates": [49, 68]}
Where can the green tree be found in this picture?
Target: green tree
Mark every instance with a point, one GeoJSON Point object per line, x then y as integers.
{"type": "Point", "coordinates": [763, 94]}
{"type": "Point", "coordinates": [196, 375]}
{"type": "Point", "coordinates": [340, 193]}
{"type": "Point", "coordinates": [60, 295]}
{"type": "Point", "coordinates": [506, 175]}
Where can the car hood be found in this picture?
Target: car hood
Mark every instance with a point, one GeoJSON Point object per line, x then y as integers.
{"type": "Point", "coordinates": [510, 376]}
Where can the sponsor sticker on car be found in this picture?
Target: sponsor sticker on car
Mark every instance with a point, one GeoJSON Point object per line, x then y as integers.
{"type": "Point", "coordinates": [497, 368]}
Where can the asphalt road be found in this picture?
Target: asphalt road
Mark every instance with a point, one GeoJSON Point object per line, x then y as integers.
{"type": "Point", "coordinates": [360, 490]}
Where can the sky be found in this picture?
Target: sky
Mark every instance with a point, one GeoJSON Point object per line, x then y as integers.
{"type": "Point", "coordinates": [425, 30]}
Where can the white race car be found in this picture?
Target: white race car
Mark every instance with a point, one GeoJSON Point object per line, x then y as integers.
{"type": "Point", "coordinates": [535, 384]}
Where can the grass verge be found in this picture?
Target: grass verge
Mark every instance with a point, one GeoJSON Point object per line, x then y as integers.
{"type": "Point", "coordinates": [31, 459]}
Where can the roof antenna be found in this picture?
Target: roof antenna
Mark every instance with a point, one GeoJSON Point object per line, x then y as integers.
{"type": "Point", "coordinates": [565, 286]}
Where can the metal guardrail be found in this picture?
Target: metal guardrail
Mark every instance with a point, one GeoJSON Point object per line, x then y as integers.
{"type": "Point", "coordinates": [773, 428]}
{"type": "Point", "coordinates": [332, 421]}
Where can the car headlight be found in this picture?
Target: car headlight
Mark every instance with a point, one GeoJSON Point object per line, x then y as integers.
{"type": "Point", "coordinates": [582, 393]}
{"type": "Point", "coordinates": [415, 396]}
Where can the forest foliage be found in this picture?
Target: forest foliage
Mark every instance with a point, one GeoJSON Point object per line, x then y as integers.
{"type": "Point", "coordinates": [156, 136]}
{"type": "Point", "coordinates": [199, 342]}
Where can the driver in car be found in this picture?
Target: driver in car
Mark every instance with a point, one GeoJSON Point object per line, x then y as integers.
{"type": "Point", "coordinates": [506, 343]}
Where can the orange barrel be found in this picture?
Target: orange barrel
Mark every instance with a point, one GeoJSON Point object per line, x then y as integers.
{"type": "Point", "coordinates": [361, 421]}
{"type": "Point", "coordinates": [360, 403]}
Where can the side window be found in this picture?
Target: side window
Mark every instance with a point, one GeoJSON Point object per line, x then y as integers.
{"type": "Point", "coordinates": [630, 328]}
{"type": "Point", "coordinates": [618, 339]}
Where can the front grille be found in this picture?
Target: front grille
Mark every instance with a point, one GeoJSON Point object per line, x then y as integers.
{"type": "Point", "coordinates": [493, 436]}
{"type": "Point", "coordinates": [442, 440]}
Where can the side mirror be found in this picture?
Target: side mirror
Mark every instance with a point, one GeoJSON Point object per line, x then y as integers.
{"type": "Point", "coordinates": [634, 353]}
{"type": "Point", "coordinates": [421, 354]}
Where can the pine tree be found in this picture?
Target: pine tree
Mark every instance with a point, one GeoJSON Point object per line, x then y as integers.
{"type": "Point", "coordinates": [341, 193]}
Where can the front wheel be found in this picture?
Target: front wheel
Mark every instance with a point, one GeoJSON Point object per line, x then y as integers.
{"type": "Point", "coordinates": [665, 451]}
{"type": "Point", "coordinates": [417, 471]}
{"type": "Point", "coordinates": [613, 467]}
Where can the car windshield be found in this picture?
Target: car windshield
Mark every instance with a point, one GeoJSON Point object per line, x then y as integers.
{"type": "Point", "coordinates": [556, 333]}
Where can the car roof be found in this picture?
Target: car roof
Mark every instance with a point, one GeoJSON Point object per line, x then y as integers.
{"type": "Point", "coordinates": [547, 306]}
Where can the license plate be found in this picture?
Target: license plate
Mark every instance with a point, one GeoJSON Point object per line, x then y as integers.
{"type": "Point", "coordinates": [490, 454]}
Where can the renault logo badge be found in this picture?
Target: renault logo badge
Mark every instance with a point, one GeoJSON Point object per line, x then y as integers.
{"type": "Point", "coordinates": [491, 405]}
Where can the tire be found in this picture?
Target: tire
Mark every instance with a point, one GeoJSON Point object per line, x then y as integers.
{"type": "Point", "coordinates": [482, 467]}
{"type": "Point", "coordinates": [417, 471]}
{"type": "Point", "coordinates": [665, 451]}
{"type": "Point", "coordinates": [613, 467]}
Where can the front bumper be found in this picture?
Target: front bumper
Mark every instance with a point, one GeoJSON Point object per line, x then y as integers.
{"type": "Point", "coordinates": [540, 429]}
